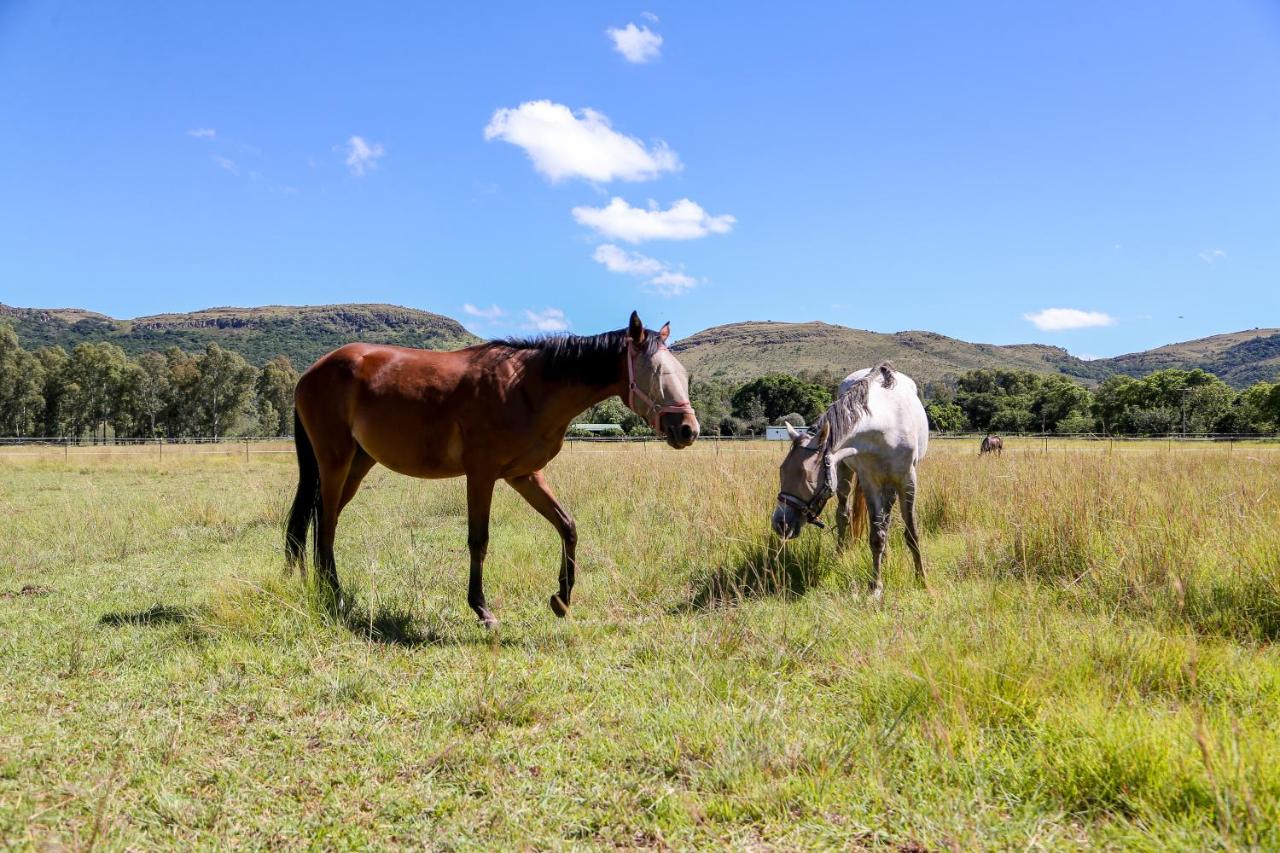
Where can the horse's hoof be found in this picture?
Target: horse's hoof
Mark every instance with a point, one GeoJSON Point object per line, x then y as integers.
{"type": "Point", "coordinates": [337, 605]}
{"type": "Point", "coordinates": [489, 623]}
{"type": "Point", "coordinates": [558, 607]}
{"type": "Point", "coordinates": [876, 595]}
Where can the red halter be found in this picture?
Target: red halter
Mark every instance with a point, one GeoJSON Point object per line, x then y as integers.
{"type": "Point", "coordinates": [652, 411]}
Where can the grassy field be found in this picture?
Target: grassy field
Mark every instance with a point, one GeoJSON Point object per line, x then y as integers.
{"type": "Point", "coordinates": [1094, 664]}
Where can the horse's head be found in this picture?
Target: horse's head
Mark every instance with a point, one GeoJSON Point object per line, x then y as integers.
{"type": "Point", "coordinates": [807, 480]}
{"type": "Point", "coordinates": [658, 384]}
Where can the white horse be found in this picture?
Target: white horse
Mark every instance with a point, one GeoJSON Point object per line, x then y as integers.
{"type": "Point", "coordinates": [868, 444]}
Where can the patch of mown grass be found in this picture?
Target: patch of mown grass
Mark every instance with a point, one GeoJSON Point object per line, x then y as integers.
{"type": "Point", "coordinates": [1092, 665]}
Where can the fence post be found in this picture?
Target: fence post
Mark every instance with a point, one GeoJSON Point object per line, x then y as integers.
{"type": "Point", "coordinates": [66, 449]}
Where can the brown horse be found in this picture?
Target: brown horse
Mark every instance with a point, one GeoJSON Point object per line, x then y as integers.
{"type": "Point", "coordinates": [495, 411]}
{"type": "Point", "coordinates": [991, 444]}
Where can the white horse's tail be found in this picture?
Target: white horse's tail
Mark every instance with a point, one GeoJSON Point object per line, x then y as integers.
{"type": "Point", "coordinates": [858, 510]}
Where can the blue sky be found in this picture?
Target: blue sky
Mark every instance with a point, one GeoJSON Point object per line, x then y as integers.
{"type": "Point", "coordinates": [953, 167]}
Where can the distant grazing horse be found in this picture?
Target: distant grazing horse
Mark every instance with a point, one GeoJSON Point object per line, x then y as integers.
{"type": "Point", "coordinates": [495, 411]}
{"type": "Point", "coordinates": [868, 443]}
{"type": "Point", "coordinates": [991, 444]}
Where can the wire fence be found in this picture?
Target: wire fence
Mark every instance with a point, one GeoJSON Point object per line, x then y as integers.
{"type": "Point", "coordinates": [71, 446]}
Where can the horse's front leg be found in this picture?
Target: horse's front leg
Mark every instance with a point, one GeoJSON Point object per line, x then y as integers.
{"type": "Point", "coordinates": [845, 480]}
{"type": "Point", "coordinates": [479, 499]}
{"type": "Point", "coordinates": [534, 489]}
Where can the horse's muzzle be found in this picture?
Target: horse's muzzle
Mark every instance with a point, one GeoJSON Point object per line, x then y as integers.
{"type": "Point", "coordinates": [787, 522]}
{"type": "Point", "coordinates": [680, 430]}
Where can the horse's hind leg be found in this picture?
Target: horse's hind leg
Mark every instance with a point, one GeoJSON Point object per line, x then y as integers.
{"type": "Point", "coordinates": [335, 465]}
{"type": "Point", "coordinates": [361, 464]}
{"type": "Point", "coordinates": [879, 506]}
{"type": "Point", "coordinates": [909, 520]}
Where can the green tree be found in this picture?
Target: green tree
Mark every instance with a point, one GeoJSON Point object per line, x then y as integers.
{"type": "Point", "coordinates": [53, 365]}
{"type": "Point", "coordinates": [152, 386]}
{"type": "Point", "coordinates": [777, 394]}
{"type": "Point", "coordinates": [614, 411]}
{"type": "Point", "coordinates": [936, 391]}
{"type": "Point", "coordinates": [946, 417]}
{"type": "Point", "coordinates": [275, 387]}
{"type": "Point", "coordinates": [730, 425]}
{"type": "Point", "coordinates": [1256, 409]}
{"type": "Point", "coordinates": [1055, 399]}
{"type": "Point", "coordinates": [711, 400]}
{"type": "Point", "coordinates": [224, 381]}
{"type": "Point", "coordinates": [21, 387]}
{"type": "Point", "coordinates": [1076, 423]}
{"type": "Point", "coordinates": [1166, 401]}
{"type": "Point", "coordinates": [1020, 401]}
{"type": "Point", "coordinates": [823, 379]}
{"type": "Point", "coordinates": [182, 415]}
{"type": "Point", "coordinates": [1114, 402]}
{"type": "Point", "coordinates": [753, 416]}
{"type": "Point", "coordinates": [95, 375]}
{"type": "Point", "coordinates": [610, 411]}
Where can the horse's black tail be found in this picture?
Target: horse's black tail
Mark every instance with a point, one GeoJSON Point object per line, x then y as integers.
{"type": "Point", "coordinates": [306, 503]}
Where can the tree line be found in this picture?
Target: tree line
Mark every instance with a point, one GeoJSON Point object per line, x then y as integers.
{"type": "Point", "coordinates": [1165, 402]}
{"type": "Point", "coordinates": [1170, 401]}
{"type": "Point", "coordinates": [97, 392]}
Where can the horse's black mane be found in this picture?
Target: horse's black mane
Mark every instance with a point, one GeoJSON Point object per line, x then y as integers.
{"type": "Point", "coordinates": [592, 359]}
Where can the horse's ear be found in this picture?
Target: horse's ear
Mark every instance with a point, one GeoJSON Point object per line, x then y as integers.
{"type": "Point", "coordinates": [664, 332]}
{"type": "Point", "coordinates": [636, 329]}
{"type": "Point", "coordinates": [824, 432]}
{"type": "Point", "coordinates": [792, 431]}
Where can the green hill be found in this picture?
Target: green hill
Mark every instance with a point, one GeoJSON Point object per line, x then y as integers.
{"type": "Point", "coordinates": [735, 352]}
{"type": "Point", "coordinates": [1238, 358]}
{"type": "Point", "coordinates": [302, 333]}
{"type": "Point", "coordinates": [741, 351]}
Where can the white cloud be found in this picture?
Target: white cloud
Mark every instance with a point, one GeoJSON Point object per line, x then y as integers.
{"type": "Point", "coordinates": [491, 313]}
{"type": "Point", "coordinates": [684, 220]}
{"type": "Point", "coordinates": [226, 163]}
{"type": "Point", "coordinates": [636, 44]}
{"type": "Point", "coordinates": [649, 16]}
{"type": "Point", "coordinates": [672, 283]}
{"type": "Point", "coordinates": [1059, 319]}
{"type": "Point", "coordinates": [203, 133]}
{"type": "Point", "coordinates": [1211, 255]}
{"type": "Point", "coordinates": [628, 263]}
{"type": "Point", "coordinates": [564, 145]}
{"type": "Point", "coordinates": [362, 156]}
{"type": "Point", "coordinates": [661, 277]}
{"type": "Point", "coordinates": [547, 320]}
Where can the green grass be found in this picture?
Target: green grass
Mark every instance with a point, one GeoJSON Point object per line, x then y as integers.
{"type": "Point", "coordinates": [1092, 666]}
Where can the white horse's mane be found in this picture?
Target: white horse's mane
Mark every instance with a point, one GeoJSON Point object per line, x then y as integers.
{"type": "Point", "coordinates": [843, 414]}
